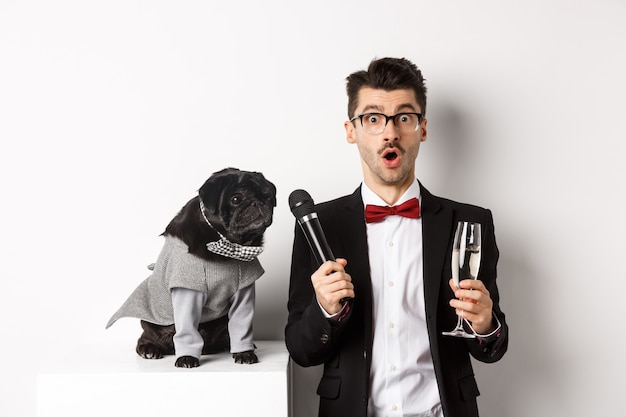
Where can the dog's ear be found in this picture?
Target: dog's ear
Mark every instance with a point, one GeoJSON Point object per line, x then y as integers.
{"type": "Point", "coordinates": [212, 191]}
{"type": "Point", "coordinates": [261, 185]}
{"type": "Point", "coordinates": [271, 189]}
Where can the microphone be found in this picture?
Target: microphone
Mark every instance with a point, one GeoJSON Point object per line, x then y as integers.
{"type": "Point", "coordinates": [301, 205]}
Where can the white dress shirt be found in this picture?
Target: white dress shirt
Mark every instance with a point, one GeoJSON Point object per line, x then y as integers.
{"type": "Point", "coordinates": [402, 376]}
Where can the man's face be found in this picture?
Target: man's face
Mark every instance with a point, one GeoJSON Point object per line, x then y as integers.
{"type": "Point", "coordinates": [387, 158]}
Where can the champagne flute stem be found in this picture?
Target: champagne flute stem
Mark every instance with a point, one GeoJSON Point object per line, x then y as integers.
{"type": "Point", "coordinates": [459, 320]}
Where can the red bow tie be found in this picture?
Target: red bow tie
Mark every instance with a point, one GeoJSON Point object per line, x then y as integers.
{"type": "Point", "coordinates": [410, 209]}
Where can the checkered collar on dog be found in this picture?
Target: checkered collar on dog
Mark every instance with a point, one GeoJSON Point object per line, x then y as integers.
{"type": "Point", "coordinates": [227, 248]}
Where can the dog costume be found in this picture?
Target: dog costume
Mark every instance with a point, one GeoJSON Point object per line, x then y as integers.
{"type": "Point", "coordinates": [181, 277]}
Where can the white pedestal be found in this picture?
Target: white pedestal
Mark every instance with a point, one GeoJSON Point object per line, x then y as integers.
{"type": "Point", "coordinates": [115, 381]}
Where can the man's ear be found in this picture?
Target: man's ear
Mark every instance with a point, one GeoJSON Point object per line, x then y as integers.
{"type": "Point", "coordinates": [350, 132]}
{"type": "Point", "coordinates": [424, 130]}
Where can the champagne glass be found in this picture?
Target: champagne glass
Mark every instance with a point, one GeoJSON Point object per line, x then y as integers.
{"type": "Point", "coordinates": [465, 264]}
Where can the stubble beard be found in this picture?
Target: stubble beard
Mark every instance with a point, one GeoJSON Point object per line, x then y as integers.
{"type": "Point", "coordinates": [389, 176]}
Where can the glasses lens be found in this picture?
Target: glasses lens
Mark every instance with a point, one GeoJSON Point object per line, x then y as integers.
{"type": "Point", "coordinates": [406, 122]}
{"type": "Point", "coordinates": [373, 123]}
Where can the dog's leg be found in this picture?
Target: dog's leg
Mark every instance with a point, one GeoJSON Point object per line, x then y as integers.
{"type": "Point", "coordinates": [215, 336]}
{"type": "Point", "coordinates": [188, 343]}
{"type": "Point", "coordinates": [247, 357]}
{"type": "Point", "coordinates": [241, 314]}
{"type": "Point", "coordinates": [155, 341]}
{"type": "Point", "coordinates": [187, 362]}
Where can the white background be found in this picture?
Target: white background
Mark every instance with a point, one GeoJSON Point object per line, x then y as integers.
{"type": "Point", "coordinates": [113, 113]}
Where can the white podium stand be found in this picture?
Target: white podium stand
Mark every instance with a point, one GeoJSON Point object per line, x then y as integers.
{"type": "Point", "coordinates": [117, 382]}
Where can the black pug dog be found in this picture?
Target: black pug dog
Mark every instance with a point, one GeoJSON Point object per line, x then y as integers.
{"type": "Point", "coordinates": [199, 298]}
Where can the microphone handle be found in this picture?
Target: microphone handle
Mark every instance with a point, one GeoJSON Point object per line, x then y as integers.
{"type": "Point", "coordinates": [317, 240]}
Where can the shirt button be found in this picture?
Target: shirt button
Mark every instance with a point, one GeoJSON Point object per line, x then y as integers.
{"type": "Point", "coordinates": [394, 408]}
{"type": "Point", "coordinates": [392, 325]}
{"type": "Point", "coordinates": [391, 284]}
{"type": "Point", "coordinates": [390, 244]}
{"type": "Point", "coordinates": [393, 367]}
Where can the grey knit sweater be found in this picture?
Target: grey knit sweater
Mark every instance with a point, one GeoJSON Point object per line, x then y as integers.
{"type": "Point", "coordinates": [219, 280]}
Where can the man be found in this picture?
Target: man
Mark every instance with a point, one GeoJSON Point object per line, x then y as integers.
{"type": "Point", "coordinates": [383, 350]}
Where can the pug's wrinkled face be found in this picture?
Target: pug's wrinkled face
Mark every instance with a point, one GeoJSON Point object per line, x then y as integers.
{"type": "Point", "coordinates": [239, 204]}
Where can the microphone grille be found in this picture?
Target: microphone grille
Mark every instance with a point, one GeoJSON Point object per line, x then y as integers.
{"type": "Point", "coordinates": [300, 203]}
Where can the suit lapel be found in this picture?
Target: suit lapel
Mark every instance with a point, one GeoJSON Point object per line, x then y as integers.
{"type": "Point", "coordinates": [354, 245]}
{"type": "Point", "coordinates": [354, 240]}
{"type": "Point", "coordinates": [436, 224]}
{"type": "Point", "coordinates": [351, 218]}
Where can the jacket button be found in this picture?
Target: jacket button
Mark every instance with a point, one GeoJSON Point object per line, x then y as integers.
{"type": "Point", "coordinates": [324, 339]}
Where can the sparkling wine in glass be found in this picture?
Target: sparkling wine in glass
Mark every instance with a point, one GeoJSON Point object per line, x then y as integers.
{"type": "Point", "coordinates": [465, 264]}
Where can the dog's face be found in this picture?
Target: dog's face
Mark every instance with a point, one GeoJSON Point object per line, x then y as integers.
{"type": "Point", "coordinates": [239, 204]}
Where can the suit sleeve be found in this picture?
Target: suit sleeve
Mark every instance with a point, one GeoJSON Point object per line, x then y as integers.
{"type": "Point", "coordinates": [311, 338]}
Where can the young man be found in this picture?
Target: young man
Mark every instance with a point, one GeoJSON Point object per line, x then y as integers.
{"type": "Point", "coordinates": [383, 351]}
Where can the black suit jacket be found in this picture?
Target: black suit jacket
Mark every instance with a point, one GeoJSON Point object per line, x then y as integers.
{"type": "Point", "coordinates": [345, 347]}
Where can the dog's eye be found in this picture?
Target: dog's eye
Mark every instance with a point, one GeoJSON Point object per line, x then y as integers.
{"type": "Point", "coordinates": [236, 199]}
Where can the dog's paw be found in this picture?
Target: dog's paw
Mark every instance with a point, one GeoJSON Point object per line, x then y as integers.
{"type": "Point", "coordinates": [246, 357]}
{"type": "Point", "coordinates": [187, 362]}
{"type": "Point", "coordinates": [149, 351]}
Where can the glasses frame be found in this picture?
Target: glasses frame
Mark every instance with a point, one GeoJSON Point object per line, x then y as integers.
{"type": "Point", "coordinates": [387, 118]}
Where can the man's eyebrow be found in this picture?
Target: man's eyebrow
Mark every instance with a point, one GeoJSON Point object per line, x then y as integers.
{"type": "Point", "coordinates": [405, 106]}
{"type": "Point", "coordinates": [372, 107]}
{"type": "Point", "coordinates": [379, 109]}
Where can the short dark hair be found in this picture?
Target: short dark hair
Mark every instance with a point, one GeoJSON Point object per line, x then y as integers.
{"type": "Point", "coordinates": [387, 74]}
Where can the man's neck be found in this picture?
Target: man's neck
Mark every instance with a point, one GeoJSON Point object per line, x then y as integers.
{"type": "Point", "coordinates": [389, 193]}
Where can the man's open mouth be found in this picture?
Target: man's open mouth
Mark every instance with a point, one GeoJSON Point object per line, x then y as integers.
{"type": "Point", "coordinates": [390, 156]}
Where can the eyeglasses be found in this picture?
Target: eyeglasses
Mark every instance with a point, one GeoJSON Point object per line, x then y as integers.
{"type": "Point", "coordinates": [375, 123]}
